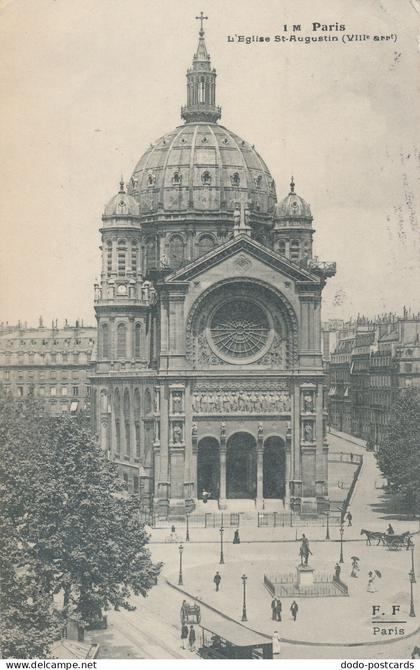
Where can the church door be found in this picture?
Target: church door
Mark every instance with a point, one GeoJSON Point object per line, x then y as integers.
{"type": "Point", "coordinates": [274, 468]}
{"type": "Point", "coordinates": [208, 467]}
{"type": "Point", "coordinates": [241, 466]}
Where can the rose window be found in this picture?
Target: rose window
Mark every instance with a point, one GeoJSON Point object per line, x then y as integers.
{"type": "Point", "coordinates": [239, 329]}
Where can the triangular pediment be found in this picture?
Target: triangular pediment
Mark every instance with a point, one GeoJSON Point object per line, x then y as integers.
{"type": "Point", "coordinates": [242, 244]}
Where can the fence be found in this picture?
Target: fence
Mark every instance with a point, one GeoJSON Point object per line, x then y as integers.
{"type": "Point", "coordinates": [294, 520]}
{"type": "Point", "coordinates": [207, 520]}
{"type": "Point", "coordinates": [324, 584]}
{"type": "Point", "coordinates": [345, 457]}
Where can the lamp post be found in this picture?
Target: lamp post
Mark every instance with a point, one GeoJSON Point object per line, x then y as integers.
{"type": "Point", "coordinates": [412, 578]}
{"type": "Point", "coordinates": [187, 535]}
{"type": "Point", "coordinates": [244, 617]}
{"type": "Point", "coordinates": [341, 543]}
{"type": "Point", "coordinates": [327, 536]}
{"type": "Point", "coordinates": [180, 549]}
{"type": "Point", "coordinates": [222, 560]}
{"type": "Point", "coordinates": [412, 560]}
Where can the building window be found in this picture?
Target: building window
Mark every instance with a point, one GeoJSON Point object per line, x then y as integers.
{"type": "Point", "coordinates": [136, 487]}
{"type": "Point", "coordinates": [20, 391]}
{"type": "Point", "coordinates": [205, 245]}
{"type": "Point", "coordinates": [147, 402]}
{"type": "Point", "coordinates": [150, 254]}
{"type": "Point", "coordinates": [136, 401]}
{"type": "Point", "coordinates": [109, 257]}
{"type": "Point", "coordinates": [105, 340]}
{"type": "Point", "coordinates": [134, 257]}
{"type": "Point", "coordinates": [137, 437]}
{"type": "Point", "coordinates": [137, 341]}
{"type": "Point", "coordinates": [282, 248]}
{"type": "Point", "coordinates": [75, 390]}
{"type": "Point", "coordinates": [176, 251]}
{"type": "Point", "coordinates": [41, 391]}
{"type": "Point", "coordinates": [53, 390]}
{"type": "Point", "coordinates": [127, 439]}
{"type": "Point", "coordinates": [125, 479]}
{"type": "Point", "coordinates": [121, 256]}
{"type": "Point", "coordinates": [64, 390]}
{"type": "Point", "coordinates": [121, 340]}
{"type": "Point", "coordinates": [88, 390]}
{"type": "Point", "coordinates": [294, 250]}
{"type": "Point", "coordinates": [117, 436]}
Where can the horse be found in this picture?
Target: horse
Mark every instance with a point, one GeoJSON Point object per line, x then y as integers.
{"type": "Point", "coordinates": [373, 535]}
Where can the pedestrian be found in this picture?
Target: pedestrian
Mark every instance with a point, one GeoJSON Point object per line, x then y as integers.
{"type": "Point", "coordinates": [273, 608]}
{"type": "Point", "coordinates": [217, 579]}
{"type": "Point", "coordinates": [337, 572]}
{"type": "Point", "coordinates": [278, 610]}
{"type": "Point", "coordinates": [276, 645]}
{"type": "Point", "coordinates": [349, 518]}
{"type": "Point", "coordinates": [236, 538]}
{"type": "Point", "coordinates": [354, 566]}
{"type": "Point", "coordinates": [294, 608]}
{"type": "Point", "coordinates": [173, 533]}
{"type": "Point", "coordinates": [184, 635]}
{"type": "Point", "coordinates": [390, 530]}
{"type": "Point", "coordinates": [371, 585]}
{"type": "Point", "coordinates": [205, 496]}
{"type": "Point", "coordinates": [183, 613]}
{"type": "Point", "coordinates": [191, 638]}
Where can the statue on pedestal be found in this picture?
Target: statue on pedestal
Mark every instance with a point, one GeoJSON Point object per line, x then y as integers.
{"type": "Point", "coordinates": [304, 550]}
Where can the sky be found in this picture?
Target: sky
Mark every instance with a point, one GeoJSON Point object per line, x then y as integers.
{"type": "Point", "coordinates": [86, 85]}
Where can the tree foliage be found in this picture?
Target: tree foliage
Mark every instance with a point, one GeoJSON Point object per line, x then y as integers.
{"type": "Point", "coordinates": [399, 456]}
{"type": "Point", "coordinates": [76, 533]}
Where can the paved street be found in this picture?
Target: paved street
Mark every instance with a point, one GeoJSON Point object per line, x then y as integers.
{"type": "Point", "coordinates": [152, 630]}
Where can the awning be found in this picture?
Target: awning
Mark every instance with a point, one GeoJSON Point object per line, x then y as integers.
{"type": "Point", "coordinates": [332, 391]}
{"type": "Point", "coordinates": [346, 392]}
{"type": "Point", "coordinates": [74, 405]}
{"type": "Point", "coordinates": [233, 632]}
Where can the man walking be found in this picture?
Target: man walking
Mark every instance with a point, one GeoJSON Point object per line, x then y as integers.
{"type": "Point", "coordinates": [349, 518]}
{"type": "Point", "coordinates": [184, 635]}
{"type": "Point", "coordinates": [191, 638]}
{"type": "Point", "coordinates": [217, 579]}
{"type": "Point", "coordinates": [294, 608]}
{"type": "Point", "coordinates": [278, 610]}
{"type": "Point", "coordinates": [273, 608]}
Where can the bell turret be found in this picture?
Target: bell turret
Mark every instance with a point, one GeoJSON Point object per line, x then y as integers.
{"type": "Point", "coordinates": [201, 85]}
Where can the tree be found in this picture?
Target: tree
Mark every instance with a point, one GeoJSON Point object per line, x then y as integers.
{"type": "Point", "coordinates": [399, 456]}
{"type": "Point", "coordinates": [78, 531]}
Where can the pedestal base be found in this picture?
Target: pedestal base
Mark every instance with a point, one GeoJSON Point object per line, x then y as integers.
{"type": "Point", "coordinates": [305, 575]}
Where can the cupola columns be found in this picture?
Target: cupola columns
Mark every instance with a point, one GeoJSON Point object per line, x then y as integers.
{"type": "Point", "coordinates": [201, 85]}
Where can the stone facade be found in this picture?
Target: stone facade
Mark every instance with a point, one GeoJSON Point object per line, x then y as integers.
{"type": "Point", "coordinates": [372, 362]}
{"type": "Point", "coordinates": [53, 364]}
{"type": "Point", "coordinates": [209, 372]}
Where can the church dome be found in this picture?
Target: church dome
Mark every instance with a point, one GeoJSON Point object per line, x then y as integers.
{"type": "Point", "coordinates": [293, 206]}
{"type": "Point", "coordinates": [202, 166]}
{"type": "Point", "coordinates": [122, 204]}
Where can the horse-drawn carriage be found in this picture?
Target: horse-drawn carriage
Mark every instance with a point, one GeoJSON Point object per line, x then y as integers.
{"type": "Point", "coordinates": [389, 540]}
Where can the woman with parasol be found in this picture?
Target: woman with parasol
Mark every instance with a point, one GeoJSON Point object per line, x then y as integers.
{"type": "Point", "coordinates": [354, 566]}
{"type": "Point", "coordinates": [371, 582]}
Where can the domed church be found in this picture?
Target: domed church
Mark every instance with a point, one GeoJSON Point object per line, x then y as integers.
{"type": "Point", "coordinates": [208, 379]}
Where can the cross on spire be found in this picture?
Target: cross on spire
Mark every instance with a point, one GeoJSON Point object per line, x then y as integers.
{"type": "Point", "coordinates": [201, 18]}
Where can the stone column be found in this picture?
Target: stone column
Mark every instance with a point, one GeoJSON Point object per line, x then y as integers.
{"type": "Point", "coordinates": [222, 465]}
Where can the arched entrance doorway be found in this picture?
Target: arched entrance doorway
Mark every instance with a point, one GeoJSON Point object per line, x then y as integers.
{"type": "Point", "coordinates": [208, 467]}
{"type": "Point", "coordinates": [274, 468]}
{"type": "Point", "coordinates": [241, 466]}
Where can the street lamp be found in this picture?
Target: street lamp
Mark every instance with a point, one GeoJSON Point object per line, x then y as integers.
{"type": "Point", "coordinates": [187, 535]}
{"type": "Point", "coordinates": [222, 560]}
{"type": "Point", "coordinates": [412, 578]}
{"type": "Point", "coordinates": [244, 617]}
{"type": "Point", "coordinates": [412, 560]}
{"type": "Point", "coordinates": [327, 536]}
{"type": "Point", "coordinates": [180, 549]}
{"type": "Point", "coordinates": [341, 543]}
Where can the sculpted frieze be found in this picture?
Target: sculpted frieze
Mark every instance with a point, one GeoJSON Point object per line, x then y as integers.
{"type": "Point", "coordinates": [241, 401]}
